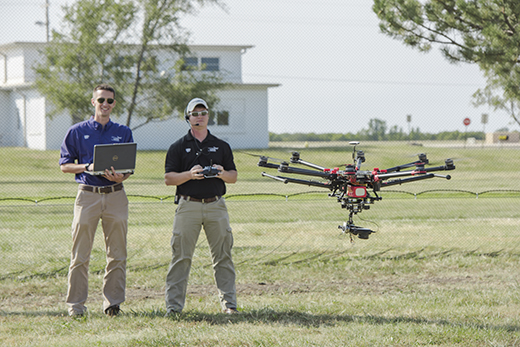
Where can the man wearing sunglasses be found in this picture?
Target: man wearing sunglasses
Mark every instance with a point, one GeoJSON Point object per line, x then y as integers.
{"type": "Point", "coordinates": [189, 165]}
{"type": "Point", "coordinates": [99, 197]}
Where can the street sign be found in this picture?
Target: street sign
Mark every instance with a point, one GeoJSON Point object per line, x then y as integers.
{"type": "Point", "coordinates": [467, 121]}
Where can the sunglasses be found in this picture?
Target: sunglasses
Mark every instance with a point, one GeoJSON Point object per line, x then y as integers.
{"type": "Point", "coordinates": [201, 113]}
{"type": "Point", "coordinates": [102, 100]}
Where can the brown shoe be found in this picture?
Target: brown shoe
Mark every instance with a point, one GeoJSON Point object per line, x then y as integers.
{"type": "Point", "coordinates": [230, 311]}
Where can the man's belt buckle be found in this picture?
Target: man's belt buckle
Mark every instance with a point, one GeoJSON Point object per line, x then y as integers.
{"type": "Point", "coordinates": [106, 189]}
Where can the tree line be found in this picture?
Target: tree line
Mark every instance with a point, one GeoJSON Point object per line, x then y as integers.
{"type": "Point", "coordinates": [378, 131]}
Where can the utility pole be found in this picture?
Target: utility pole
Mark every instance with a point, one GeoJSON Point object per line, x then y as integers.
{"type": "Point", "coordinates": [484, 120]}
{"type": "Point", "coordinates": [46, 23]}
{"type": "Point", "coordinates": [409, 120]}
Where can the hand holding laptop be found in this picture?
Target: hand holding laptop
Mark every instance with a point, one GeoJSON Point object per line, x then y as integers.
{"type": "Point", "coordinates": [114, 176]}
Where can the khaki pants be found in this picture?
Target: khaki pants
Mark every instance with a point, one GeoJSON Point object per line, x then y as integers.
{"type": "Point", "coordinates": [89, 207]}
{"type": "Point", "coordinates": [190, 216]}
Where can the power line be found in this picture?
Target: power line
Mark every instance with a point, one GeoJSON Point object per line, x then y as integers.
{"type": "Point", "coordinates": [341, 80]}
{"type": "Point", "coordinates": [290, 21]}
{"type": "Point", "coordinates": [21, 3]}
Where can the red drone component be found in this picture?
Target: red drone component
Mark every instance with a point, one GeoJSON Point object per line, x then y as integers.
{"type": "Point", "coordinates": [356, 191]}
{"type": "Point", "coordinates": [374, 174]}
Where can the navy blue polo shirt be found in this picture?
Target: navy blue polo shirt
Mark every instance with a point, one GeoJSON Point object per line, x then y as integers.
{"type": "Point", "coordinates": [182, 156]}
{"type": "Point", "coordinates": [78, 145]}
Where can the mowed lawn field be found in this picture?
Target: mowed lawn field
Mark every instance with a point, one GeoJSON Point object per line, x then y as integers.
{"type": "Point", "coordinates": [442, 268]}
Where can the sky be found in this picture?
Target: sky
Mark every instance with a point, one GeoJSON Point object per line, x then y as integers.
{"type": "Point", "coordinates": [335, 68]}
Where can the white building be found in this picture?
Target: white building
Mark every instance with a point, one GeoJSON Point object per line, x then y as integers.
{"type": "Point", "coordinates": [25, 124]}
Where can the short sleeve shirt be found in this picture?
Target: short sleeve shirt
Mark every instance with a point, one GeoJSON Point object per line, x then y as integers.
{"type": "Point", "coordinates": [78, 145]}
{"type": "Point", "coordinates": [188, 152]}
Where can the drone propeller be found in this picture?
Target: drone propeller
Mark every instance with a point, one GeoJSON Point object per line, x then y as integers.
{"type": "Point", "coordinates": [434, 163]}
{"type": "Point", "coordinates": [416, 154]}
{"type": "Point", "coordinates": [263, 157]}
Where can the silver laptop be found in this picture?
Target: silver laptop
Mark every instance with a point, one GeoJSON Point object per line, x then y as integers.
{"type": "Point", "coordinates": [119, 155]}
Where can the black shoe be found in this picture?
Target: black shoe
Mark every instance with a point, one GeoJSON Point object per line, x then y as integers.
{"type": "Point", "coordinates": [172, 313]}
{"type": "Point", "coordinates": [112, 311]}
{"type": "Point", "coordinates": [77, 314]}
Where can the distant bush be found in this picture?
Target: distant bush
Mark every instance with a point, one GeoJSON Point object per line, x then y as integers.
{"type": "Point", "coordinates": [363, 136]}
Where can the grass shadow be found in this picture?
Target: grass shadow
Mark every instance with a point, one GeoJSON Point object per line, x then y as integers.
{"type": "Point", "coordinates": [269, 316]}
{"type": "Point", "coordinates": [306, 319]}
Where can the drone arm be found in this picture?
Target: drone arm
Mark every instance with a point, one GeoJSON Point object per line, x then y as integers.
{"type": "Point", "coordinates": [395, 174]}
{"type": "Point", "coordinates": [306, 163]}
{"type": "Point", "coordinates": [292, 170]}
{"type": "Point", "coordinates": [399, 167]}
{"type": "Point", "coordinates": [281, 179]}
{"type": "Point", "coordinates": [284, 167]}
{"type": "Point", "coordinates": [268, 165]}
{"type": "Point", "coordinates": [423, 160]}
{"type": "Point", "coordinates": [296, 180]}
{"type": "Point", "coordinates": [449, 166]}
{"type": "Point", "coordinates": [295, 159]}
{"type": "Point", "coordinates": [440, 168]}
{"type": "Point", "coordinates": [406, 180]}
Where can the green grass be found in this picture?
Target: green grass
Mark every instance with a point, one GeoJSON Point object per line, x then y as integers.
{"type": "Point", "coordinates": [441, 269]}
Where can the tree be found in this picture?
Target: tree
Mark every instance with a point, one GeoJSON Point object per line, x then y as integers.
{"type": "Point", "coordinates": [138, 46]}
{"type": "Point", "coordinates": [490, 95]}
{"type": "Point", "coordinates": [396, 133]}
{"type": "Point", "coordinates": [482, 32]}
{"type": "Point", "coordinates": [376, 129]}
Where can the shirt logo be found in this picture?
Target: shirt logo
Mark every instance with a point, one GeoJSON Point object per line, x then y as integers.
{"type": "Point", "coordinates": [86, 137]}
{"type": "Point", "coordinates": [188, 150]}
{"type": "Point", "coordinates": [116, 138]}
{"type": "Point", "coordinates": [213, 149]}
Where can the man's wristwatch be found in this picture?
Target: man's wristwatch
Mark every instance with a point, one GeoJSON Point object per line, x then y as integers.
{"type": "Point", "coordinates": [86, 166]}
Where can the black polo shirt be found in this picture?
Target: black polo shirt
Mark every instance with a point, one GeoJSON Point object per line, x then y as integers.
{"type": "Point", "coordinates": [187, 152]}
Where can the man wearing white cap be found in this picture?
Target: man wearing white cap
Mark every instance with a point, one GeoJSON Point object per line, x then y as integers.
{"type": "Point", "coordinates": [200, 165]}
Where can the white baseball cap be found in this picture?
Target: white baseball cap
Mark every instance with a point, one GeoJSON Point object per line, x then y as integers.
{"type": "Point", "coordinates": [194, 103]}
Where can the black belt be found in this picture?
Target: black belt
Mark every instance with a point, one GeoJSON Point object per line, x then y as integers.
{"type": "Point", "coordinates": [204, 200]}
{"type": "Point", "coordinates": [102, 190]}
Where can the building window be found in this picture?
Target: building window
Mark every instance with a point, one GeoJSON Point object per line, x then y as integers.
{"type": "Point", "coordinates": [219, 118]}
{"type": "Point", "coordinates": [190, 63]}
{"type": "Point", "coordinates": [222, 118]}
{"type": "Point", "coordinates": [206, 64]}
{"type": "Point", "coordinates": [210, 64]}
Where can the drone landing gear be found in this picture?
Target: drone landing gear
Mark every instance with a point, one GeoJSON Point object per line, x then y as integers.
{"type": "Point", "coordinates": [350, 228]}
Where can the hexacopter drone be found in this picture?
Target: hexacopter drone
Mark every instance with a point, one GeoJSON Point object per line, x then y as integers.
{"type": "Point", "coordinates": [351, 185]}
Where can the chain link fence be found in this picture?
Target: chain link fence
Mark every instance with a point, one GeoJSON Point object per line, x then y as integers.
{"type": "Point", "coordinates": [35, 236]}
{"type": "Point", "coordinates": [272, 222]}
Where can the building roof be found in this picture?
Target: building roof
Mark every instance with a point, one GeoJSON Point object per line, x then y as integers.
{"type": "Point", "coordinates": [194, 46]}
